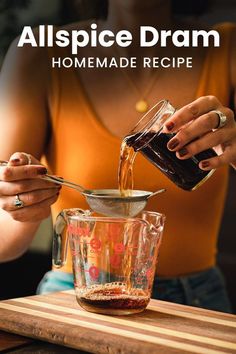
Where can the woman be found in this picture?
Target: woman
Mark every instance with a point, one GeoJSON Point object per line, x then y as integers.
{"type": "Point", "coordinates": [76, 118]}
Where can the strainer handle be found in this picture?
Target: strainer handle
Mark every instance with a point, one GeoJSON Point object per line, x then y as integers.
{"type": "Point", "coordinates": [64, 182]}
{"type": "Point", "coordinates": [56, 179]}
{"type": "Point", "coordinates": [157, 192]}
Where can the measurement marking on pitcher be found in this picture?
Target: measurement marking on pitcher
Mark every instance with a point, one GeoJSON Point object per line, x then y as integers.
{"type": "Point", "coordinates": [93, 271]}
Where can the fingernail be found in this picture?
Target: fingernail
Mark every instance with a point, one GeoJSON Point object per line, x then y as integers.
{"type": "Point", "coordinates": [169, 126]}
{"type": "Point", "coordinates": [205, 164]}
{"type": "Point", "coordinates": [173, 144]}
{"type": "Point", "coordinates": [183, 152]}
{"type": "Point", "coordinates": [15, 160]}
{"type": "Point", "coordinates": [42, 171]}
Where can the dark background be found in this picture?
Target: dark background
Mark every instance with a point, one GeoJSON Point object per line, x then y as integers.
{"type": "Point", "coordinates": [20, 277]}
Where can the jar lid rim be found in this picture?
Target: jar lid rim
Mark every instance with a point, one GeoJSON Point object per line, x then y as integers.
{"type": "Point", "coordinates": [147, 126]}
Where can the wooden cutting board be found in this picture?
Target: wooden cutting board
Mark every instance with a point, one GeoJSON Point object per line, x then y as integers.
{"type": "Point", "coordinates": [162, 328]}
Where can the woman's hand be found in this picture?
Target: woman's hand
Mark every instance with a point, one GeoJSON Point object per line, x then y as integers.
{"type": "Point", "coordinates": [196, 130]}
{"type": "Point", "coordinates": [20, 183]}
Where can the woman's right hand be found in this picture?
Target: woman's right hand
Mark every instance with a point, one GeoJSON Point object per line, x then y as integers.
{"type": "Point", "coordinates": [21, 182]}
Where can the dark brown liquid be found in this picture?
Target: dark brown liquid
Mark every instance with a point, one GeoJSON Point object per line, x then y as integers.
{"type": "Point", "coordinates": [114, 299]}
{"type": "Point", "coordinates": [184, 173]}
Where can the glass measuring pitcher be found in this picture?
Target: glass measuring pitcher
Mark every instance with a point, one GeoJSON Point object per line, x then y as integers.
{"type": "Point", "coordinates": [114, 259]}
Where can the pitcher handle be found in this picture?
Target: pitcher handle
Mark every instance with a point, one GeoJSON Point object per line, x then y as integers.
{"type": "Point", "coordinates": [60, 241]}
{"type": "Point", "coordinates": [60, 237]}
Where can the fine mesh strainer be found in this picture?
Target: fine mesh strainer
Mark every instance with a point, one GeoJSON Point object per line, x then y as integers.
{"type": "Point", "coordinates": [109, 201]}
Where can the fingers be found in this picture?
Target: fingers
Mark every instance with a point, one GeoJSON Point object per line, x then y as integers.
{"type": "Point", "coordinates": [199, 136]}
{"type": "Point", "coordinates": [28, 199]}
{"type": "Point", "coordinates": [22, 158]}
{"type": "Point", "coordinates": [21, 166]}
{"type": "Point", "coordinates": [23, 194]}
{"type": "Point", "coordinates": [20, 183]}
{"type": "Point", "coordinates": [199, 127]}
{"type": "Point", "coordinates": [227, 157]}
{"type": "Point", "coordinates": [36, 212]}
{"type": "Point", "coordinates": [190, 112]}
{"type": "Point", "coordinates": [23, 186]}
{"type": "Point", "coordinates": [15, 173]}
{"type": "Point", "coordinates": [199, 145]}
{"type": "Point", "coordinates": [195, 128]}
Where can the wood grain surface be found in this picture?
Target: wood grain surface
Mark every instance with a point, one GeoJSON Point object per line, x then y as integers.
{"type": "Point", "coordinates": [12, 341]}
{"type": "Point", "coordinates": [162, 328]}
{"type": "Point", "coordinates": [12, 344]}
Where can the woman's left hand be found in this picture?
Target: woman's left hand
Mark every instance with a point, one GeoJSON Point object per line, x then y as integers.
{"type": "Point", "coordinates": [197, 129]}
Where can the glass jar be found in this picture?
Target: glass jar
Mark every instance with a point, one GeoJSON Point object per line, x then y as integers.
{"type": "Point", "coordinates": [147, 138]}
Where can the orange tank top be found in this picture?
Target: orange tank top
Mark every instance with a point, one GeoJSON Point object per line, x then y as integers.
{"type": "Point", "coordinates": [82, 150]}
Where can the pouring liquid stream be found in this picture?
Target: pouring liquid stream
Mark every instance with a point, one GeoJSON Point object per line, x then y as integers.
{"type": "Point", "coordinates": [126, 185]}
{"type": "Point", "coordinates": [125, 169]}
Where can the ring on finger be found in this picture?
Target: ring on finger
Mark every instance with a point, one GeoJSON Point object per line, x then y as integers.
{"type": "Point", "coordinates": [222, 119]}
{"type": "Point", "coordinates": [28, 156]}
{"type": "Point", "coordinates": [18, 203]}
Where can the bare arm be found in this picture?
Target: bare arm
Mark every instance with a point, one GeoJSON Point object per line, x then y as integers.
{"type": "Point", "coordinates": [23, 127]}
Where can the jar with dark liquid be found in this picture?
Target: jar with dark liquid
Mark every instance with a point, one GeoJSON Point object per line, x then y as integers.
{"type": "Point", "coordinates": [147, 137]}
